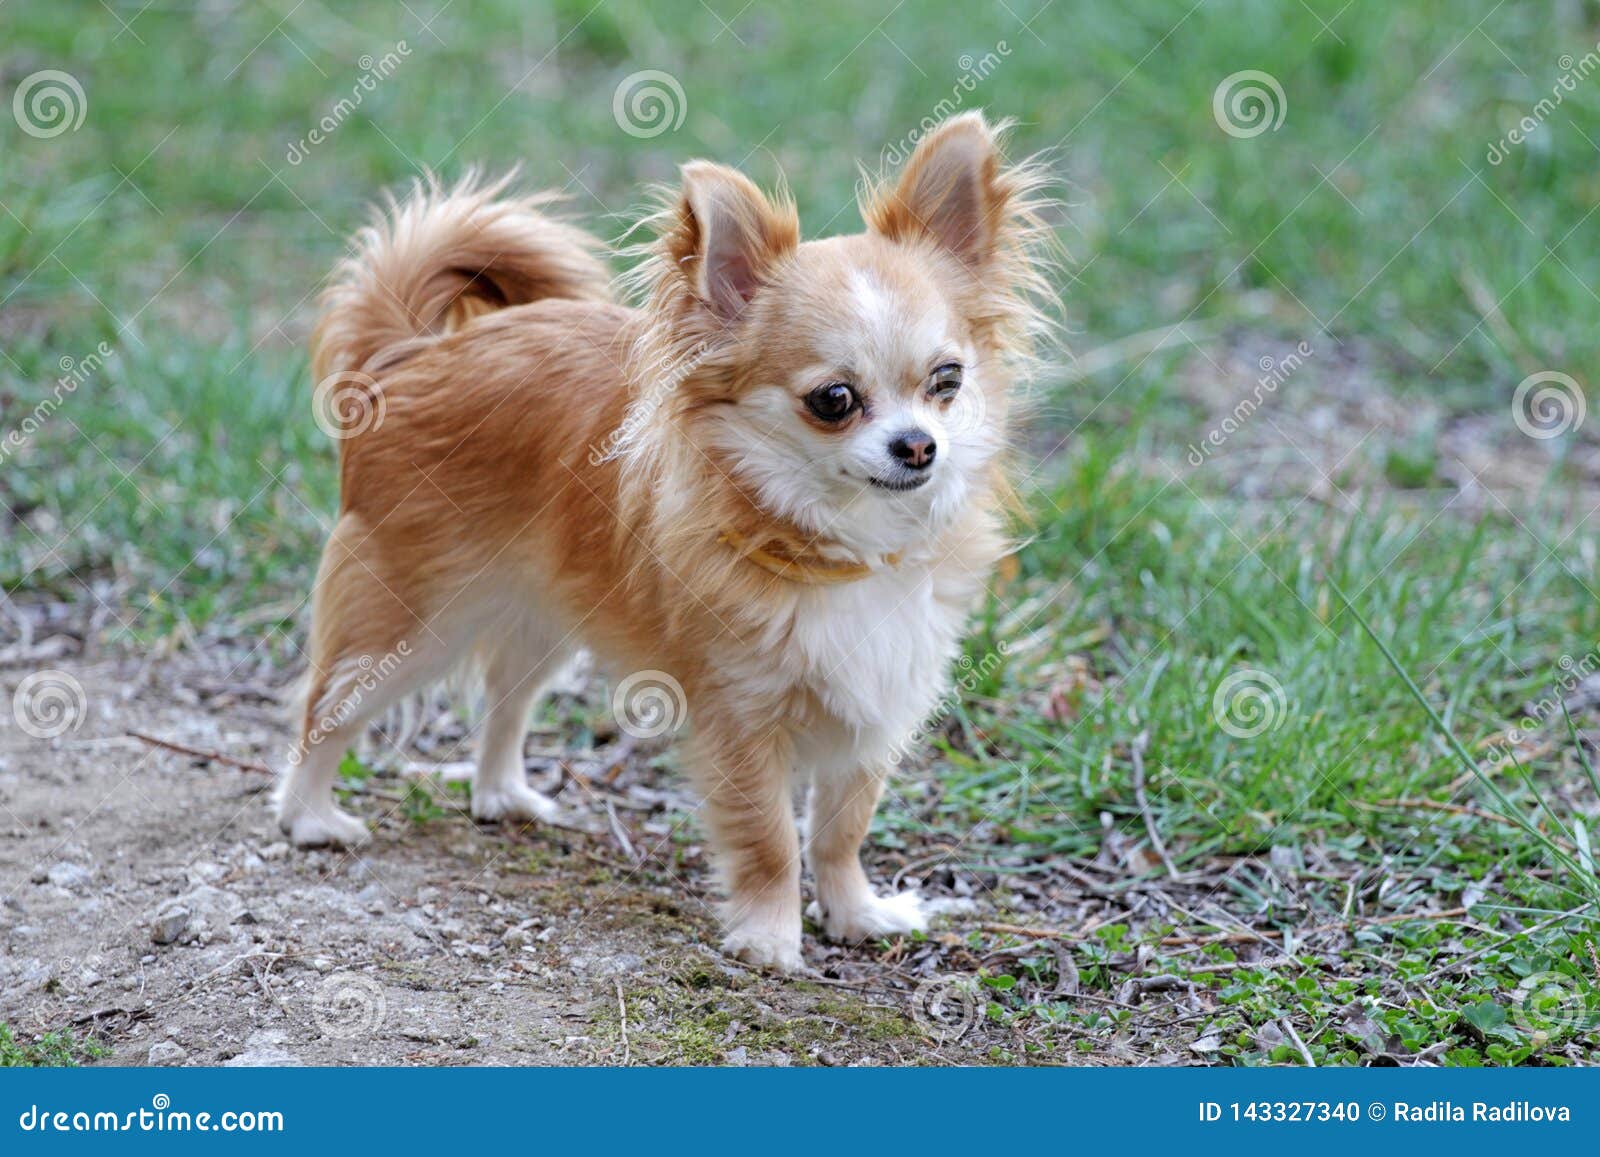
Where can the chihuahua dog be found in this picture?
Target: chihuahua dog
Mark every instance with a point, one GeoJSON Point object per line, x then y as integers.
{"type": "Point", "coordinates": [775, 487]}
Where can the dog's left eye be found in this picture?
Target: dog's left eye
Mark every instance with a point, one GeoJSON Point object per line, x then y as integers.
{"type": "Point", "coordinates": [946, 381]}
{"type": "Point", "coordinates": [833, 402]}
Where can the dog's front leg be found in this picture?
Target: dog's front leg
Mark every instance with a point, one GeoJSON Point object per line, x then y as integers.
{"type": "Point", "coordinates": [745, 779]}
{"type": "Point", "coordinates": [842, 803]}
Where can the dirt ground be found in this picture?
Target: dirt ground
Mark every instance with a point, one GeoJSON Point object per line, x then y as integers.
{"type": "Point", "coordinates": [148, 899]}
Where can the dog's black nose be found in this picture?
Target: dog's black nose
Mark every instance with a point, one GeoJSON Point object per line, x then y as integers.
{"type": "Point", "coordinates": [915, 448]}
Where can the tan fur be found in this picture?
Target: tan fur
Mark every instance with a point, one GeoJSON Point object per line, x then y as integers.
{"type": "Point", "coordinates": [505, 502]}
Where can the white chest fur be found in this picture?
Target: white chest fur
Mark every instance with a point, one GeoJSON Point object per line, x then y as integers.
{"type": "Point", "coordinates": [876, 655]}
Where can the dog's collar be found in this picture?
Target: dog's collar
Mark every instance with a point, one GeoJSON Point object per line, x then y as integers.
{"type": "Point", "coordinates": [797, 562]}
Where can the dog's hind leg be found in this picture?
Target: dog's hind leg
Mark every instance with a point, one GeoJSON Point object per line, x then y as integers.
{"type": "Point", "coordinates": [306, 807]}
{"type": "Point", "coordinates": [369, 648]}
{"type": "Point", "coordinates": [518, 668]}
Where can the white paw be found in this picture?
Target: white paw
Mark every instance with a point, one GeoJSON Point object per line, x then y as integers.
{"type": "Point", "coordinates": [871, 917]}
{"type": "Point", "coordinates": [764, 948]}
{"type": "Point", "coordinates": [313, 828]}
{"type": "Point", "coordinates": [515, 802]}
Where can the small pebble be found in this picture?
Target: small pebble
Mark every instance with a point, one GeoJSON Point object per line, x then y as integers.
{"type": "Point", "coordinates": [167, 1053]}
{"type": "Point", "coordinates": [170, 925]}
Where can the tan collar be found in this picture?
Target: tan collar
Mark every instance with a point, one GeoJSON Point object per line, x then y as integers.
{"type": "Point", "coordinates": [795, 561]}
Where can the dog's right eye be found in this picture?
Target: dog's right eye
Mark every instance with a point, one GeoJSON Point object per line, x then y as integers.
{"type": "Point", "coordinates": [832, 402]}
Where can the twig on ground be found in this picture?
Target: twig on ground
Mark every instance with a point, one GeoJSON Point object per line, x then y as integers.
{"type": "Point", "coordinates": [619, 760]}
{"type": "Point", "coordinates": [1248, 965]}
{"type": "Point", "coordinates": [1274, 933]}
{"type": "Point", "coordinates": [1156, 982]}
{"type": "Point", "coordinates": [1461, 961]}
{"type": "Point", "coordinates": [620, 834]}
{"type": "Point", "coordinates": [1231, 937]}
{"type": "Point", "coordinates": [99, 1014]}
{"type": "Point", "coordinates": [202, 753]}
{"type": "Point", "coordinates": [1288, 1030]}
{"type": "Point", "coordinates": [622, 1008]}
{"type": "Point", "coordinates": [1457, 809]}
{"type": "Point", "coordinates": [1243, 930]}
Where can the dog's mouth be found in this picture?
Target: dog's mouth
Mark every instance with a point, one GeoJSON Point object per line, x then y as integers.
{"type": "Point", "coordinates": [900, 484]}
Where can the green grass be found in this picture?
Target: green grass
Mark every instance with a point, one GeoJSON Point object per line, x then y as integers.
{"type": "Point", "coordinates": [52, 1050]}
{"type": "Point", "coordinates": [172, 225]}
{"type": "Point", "coordinates": [1168, 594]}
{"type": "Point", "coordinates": [185, 484]}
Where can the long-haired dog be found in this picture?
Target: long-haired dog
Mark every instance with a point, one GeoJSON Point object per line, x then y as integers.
{"type": "Point", "coordinates": [778, 482]}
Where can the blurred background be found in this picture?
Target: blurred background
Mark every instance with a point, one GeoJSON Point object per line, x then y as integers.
{"type": "Point", "coordinates": [1330, 310]}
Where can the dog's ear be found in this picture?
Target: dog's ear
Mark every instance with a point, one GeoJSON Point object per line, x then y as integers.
{"type": "Point", "coordinates": [952, 192]}
{"type": "Point", "coordinates": [729, 237]}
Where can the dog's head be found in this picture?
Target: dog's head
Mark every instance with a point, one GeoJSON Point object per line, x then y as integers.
{"type": "Point", "coordinates": [857, 387]}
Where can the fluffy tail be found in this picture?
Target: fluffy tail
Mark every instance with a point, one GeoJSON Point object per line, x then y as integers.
{"type": "Point", "coordinates": [441, 258]}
